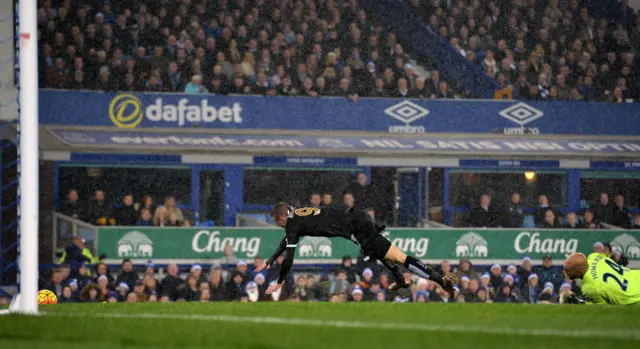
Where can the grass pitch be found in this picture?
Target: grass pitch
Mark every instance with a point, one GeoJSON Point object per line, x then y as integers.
{"type": "Point", "coordinates": [322, 325]}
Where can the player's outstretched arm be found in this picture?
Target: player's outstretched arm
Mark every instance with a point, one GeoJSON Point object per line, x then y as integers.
{"type": "Point", "coordinates": [284, 269]}
{"type": "Point", "coordinates": [281, 248]}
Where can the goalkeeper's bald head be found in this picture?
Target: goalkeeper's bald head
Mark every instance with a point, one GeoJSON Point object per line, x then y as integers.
{"type": "Point", "coordinates": [575, 266]}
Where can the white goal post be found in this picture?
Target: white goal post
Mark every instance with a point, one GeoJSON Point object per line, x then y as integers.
{"type": "Point", "coordinates": [26, 302]}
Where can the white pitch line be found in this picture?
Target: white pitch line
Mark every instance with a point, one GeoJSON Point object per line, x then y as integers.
{"type": "Point", "coordinates": [581, 333]}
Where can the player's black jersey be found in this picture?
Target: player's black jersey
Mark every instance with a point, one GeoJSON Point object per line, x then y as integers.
{"type": "Point", "coordinates": [312, 221]}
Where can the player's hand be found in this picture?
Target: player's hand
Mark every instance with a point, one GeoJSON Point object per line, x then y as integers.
{"type": "Point", "coordinates": [273, 287]}
{"type": "Point", "coordinates": [262, 267]}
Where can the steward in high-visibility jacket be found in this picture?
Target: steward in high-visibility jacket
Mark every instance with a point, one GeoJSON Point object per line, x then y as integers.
{"type": "Point", "coordinates": [76, 254]}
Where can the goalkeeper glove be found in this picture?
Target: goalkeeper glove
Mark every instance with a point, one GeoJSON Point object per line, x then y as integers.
{"type": "Point", "coordinates": [572, 298]}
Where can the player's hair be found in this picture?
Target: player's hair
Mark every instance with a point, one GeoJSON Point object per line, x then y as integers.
{"type": "Point", "coordinates": [280, 209]}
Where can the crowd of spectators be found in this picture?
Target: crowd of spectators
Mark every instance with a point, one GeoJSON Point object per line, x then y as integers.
{"type": "Point", "coordinates": [512, 214]}
{"type": "Point", "coordinates": [349, 282]}
{"type": "Point", "coordinates": [306, 48]}
{"type": "Point", "coordinates": [127, 213]}
{"type": "Point", "coordinates": [546, 50]}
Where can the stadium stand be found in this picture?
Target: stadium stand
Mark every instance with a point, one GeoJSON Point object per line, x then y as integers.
{"type": "Point", "coordinates": [241, 47]}
{"type": "Point", "coordinates": [543, 50]}
{"type": "Point", "coordinates": [547, 50]}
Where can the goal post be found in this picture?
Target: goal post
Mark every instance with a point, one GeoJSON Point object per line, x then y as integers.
{"type": "Point", "coordinates": [28, 151]}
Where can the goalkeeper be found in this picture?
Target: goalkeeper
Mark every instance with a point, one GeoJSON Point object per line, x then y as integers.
{"type": "Point", "coordinates": [603, 280]}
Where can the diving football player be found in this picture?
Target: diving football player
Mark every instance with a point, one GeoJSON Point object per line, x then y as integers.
{"type": "Point", "coordinates": [603, 280]}
{"type": "Point", "coordinates": [357, 226]}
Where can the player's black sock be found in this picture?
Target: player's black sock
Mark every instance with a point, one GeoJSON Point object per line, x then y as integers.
{"type": "Point", "coordinates": [417, 267]}
{"type": "Point", "coordinates": [397, 275]}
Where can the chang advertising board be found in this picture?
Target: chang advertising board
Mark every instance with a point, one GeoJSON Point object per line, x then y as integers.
{"type": "Point", "coordinates": [128, 111]}
{"type": "Point", "coordinates": [484, 246]}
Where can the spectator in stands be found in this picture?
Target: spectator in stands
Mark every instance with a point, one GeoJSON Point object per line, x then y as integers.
{"type": "Point", "coordinates": [103, 270]}
{"type": "Point", "coordinates": [513, 271]}
{"type": "Point", "coordinates": [481, 296]}
{"type": "Point", "coordinates": [636, 222]}
{"type": "Point", "coordinates": [173, 221]}
{"type": "Point", "coordinates": [531, 289]}
{"type": "Point", "coordinates": [195, 86]}
{"type": "Point", "coordinates": [170, 208]}
{"type": "Point", "coordinates": [314, 200]}
{"type": "Point", "coordinates": [514, 214]}
{"type": "Point", "coordinates": [550, 221]}
{"type": "Point", "coordinates": [620, 215]}
{"type": "Point", "coordinates": [496, 277]}
{"type": "Point", "coordinates": [189, 291]}
{"type": "Point", "coordinates": [235, 286]}
{"type": "Point", "coordinates": [228, 256]}
{"type": "Point", "coordinates": [465, 269]}
{"type": "Point", "coordinates": [371, 212]}
{"type": "Point", "coordinates": [348, 268]}
{"type": "Point", "coordinates": [548, 273]}
{"type": "Point", "coordinates": [66, 271]}
{"type": "Point", "coordinates": [82, 276]}
{"type": "Point", "coordinates": [126, 214]}
{"type": "Point", "coordinates": [72, 207]}
{"type": "Point", "coordinates": [339, 284]}
{"type": "Point", "coordinates": [603, 210]}
{"type": "Point", "coordinates": [216, 286]}
{"type": "Point", "coordinates": [483, 215]}
{"type": "Point", "coordinates": [348, 200]}
{"type": "Point", "coordinates": [243, 269]}
{"type": "Point", "coordinates": [91, 294]}
{"type": "Point", "coordinates": [445, 268]}
{"type": "Point", "coordinates": [67, 296]}
{"type": "Point", "coordinates": [58, 76]}
{"type": "Point", "coordinates": [361, 191]}
{"type": "Point", "coordinates": [525, 269]}
{"type": "Point", "coordinates": [541, 210]}
{"type": "Point", "coordinates": [99, 211]}
{"type": "Point", "coordinates": [506, 295]}
{"type": "Point", "coordinates": [573, 222]}
{"type": "Point", "coordinates": [169, 285]}
{"type": "Point", "coordinates": [127, 274]}
{"type": "Point", "coordinates": [147, 202]}
{"type": "Point", "coordinates": [55, 284]}
{"type": "Point", "coordinates": [327, 200]}
{"type": "Point", "coordinates": [546, 296]}
{"type": "Point", "coordinates": [196, 271]}
{"type": "Point", "coordinates": [161, 217]}
{"type": "Point", "coordinates": [145, 218]}
{"type": "Point", "coordinates": [150, 285]}
{"type": "Point", "coordinates": [590, 221]}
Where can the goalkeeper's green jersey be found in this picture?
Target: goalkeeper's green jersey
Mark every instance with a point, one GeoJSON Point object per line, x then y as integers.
{"type": "Point", "coordinates": [606, 282]}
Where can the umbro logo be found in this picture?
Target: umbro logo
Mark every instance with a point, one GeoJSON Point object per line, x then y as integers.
{"type": "Point", "coordinates": [521, 113]}
{"type": "Point", "coordinates": [406, 111]}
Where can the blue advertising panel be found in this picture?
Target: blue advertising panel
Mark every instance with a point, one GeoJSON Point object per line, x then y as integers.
{"type": "Point", "coordinates": [130, 111]}
{"type": "Point", "coordinates": [517, 164]}
{"type": "Point", "coordinates": [615, 165]}
{"type": "Point", "coordinates": [304, 161]}
{"type": "Point", "coordinates": [418, 144]}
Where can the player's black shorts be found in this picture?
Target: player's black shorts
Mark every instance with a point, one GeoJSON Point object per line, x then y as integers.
{"type": "Point", "coordinates": [366, 234]}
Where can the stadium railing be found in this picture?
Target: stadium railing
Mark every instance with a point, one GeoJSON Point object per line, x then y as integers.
{"type": "Point", "coordinates": [253, 220]}
{"type": "Point", "coordinates": [66, 228]}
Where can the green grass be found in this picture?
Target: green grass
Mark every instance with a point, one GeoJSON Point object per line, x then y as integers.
{"type": "Point", "coordinates": [322, 325]}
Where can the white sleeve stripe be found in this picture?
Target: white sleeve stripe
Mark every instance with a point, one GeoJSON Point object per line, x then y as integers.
{"type": "Point", "coordinates": [292, 245]}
